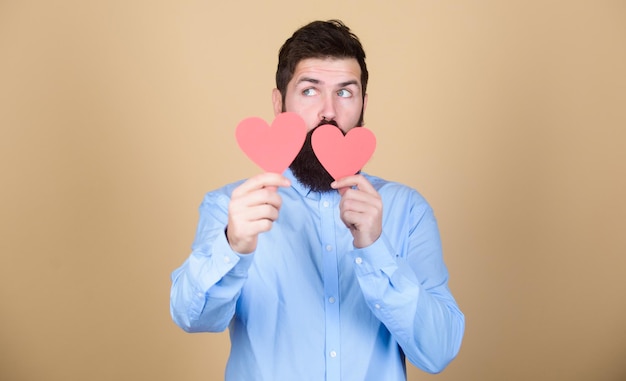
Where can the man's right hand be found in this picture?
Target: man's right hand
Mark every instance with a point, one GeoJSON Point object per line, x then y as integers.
{"type": "Point", "coordinates": [253, 208]}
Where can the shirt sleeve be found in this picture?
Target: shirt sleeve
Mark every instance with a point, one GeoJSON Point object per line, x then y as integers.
{"type": "Point", "coordinates": [205, 288]}
{"type": "Point", "coordinates": [405, 283]}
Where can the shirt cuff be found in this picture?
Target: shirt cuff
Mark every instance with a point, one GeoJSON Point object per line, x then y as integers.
{"type": "Point", "coordinates": [375, 258]}
{"type": "Point", "coordinates": [228, 261]}
{"type": "Point", "coordinates": [220, 263]}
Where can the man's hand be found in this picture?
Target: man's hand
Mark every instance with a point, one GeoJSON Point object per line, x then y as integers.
{"type": "Point", "coordinates": [253, 208]}
{"type": "Point", "coordinates": [361, 209]}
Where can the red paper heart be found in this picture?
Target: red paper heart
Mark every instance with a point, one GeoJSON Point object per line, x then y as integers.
{"type": "Point", "coordinates": [343, 155]}
{"type": "Point", "coordinates": [272, 148]}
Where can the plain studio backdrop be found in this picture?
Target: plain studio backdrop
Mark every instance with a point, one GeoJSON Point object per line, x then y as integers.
{"type": "Point", "coordinates": [117, 116]}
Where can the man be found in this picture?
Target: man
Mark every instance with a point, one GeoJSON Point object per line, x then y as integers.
{"type": "Point", "coordinates": [319, 279]}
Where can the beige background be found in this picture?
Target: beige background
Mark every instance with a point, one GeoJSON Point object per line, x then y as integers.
{"type": "Point", "coordinates": [117, 116]}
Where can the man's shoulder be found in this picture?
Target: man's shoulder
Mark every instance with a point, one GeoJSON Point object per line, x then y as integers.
{"type": "Point", "coordinates": [394, 189]}
{"type": "Point", "coordinates": [381, 184]}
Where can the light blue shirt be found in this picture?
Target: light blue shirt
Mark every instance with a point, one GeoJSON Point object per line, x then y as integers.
{"type": "Point", "coordinates": [308, 305]}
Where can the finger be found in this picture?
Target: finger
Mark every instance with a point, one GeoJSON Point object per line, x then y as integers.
{"type": "Point", "coordinates": [262, 180]}
{"type": "Point", "coordinates": [360, 201]}
{"type": "Point", "coordinates": [260, 212]}
{"type": "Point", "coordinates": [358, 206]}
{"type": "Point", "coordinates": [358, 181]}
{"type": "Point", "coordinates": [343, 184]}
{"type": "Point", "coordinates": [246, 223]}
{"type": "Point", "coordinates": [261, 226]}
{"type": "Point", "coordinates": [360, 214]}
{"type": "Point", "coordinates": [258, 197]}
{"type": "Point", "coordinates": [351, 219]}
{"type": "Point", "coordinates": [357, 195]}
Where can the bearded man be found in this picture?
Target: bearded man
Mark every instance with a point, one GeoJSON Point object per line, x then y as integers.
{"type": "Point", "coordinates": [319, 279]}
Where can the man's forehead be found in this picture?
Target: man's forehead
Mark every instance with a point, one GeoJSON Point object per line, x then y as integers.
{"type": "Point", "coordinates": [327, 70]}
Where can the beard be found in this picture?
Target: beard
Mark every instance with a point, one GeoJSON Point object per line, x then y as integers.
{"type": "Point", "coordinates": [308, 169]}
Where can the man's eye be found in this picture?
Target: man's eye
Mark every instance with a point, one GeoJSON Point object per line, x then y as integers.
{"type": "Point", "coordinates": [309, 92]}
{"type": "Point", "coordinates": [344, 93]}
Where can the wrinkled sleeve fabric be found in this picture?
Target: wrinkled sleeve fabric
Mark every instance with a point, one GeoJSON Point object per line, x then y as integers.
{"type": "Point", "coordinates": [405, 282]}
{"type": "Point", "coordinates": [205, 288]}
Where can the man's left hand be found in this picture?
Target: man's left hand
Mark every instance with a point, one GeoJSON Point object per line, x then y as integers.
{"type": "Point", "coordinates": [360, 209]}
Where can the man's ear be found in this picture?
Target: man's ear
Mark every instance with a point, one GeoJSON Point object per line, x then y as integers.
{"type": "Point", "coordinates": [364, 102]}
{"type": "Point", "coordinates": [277, 101]}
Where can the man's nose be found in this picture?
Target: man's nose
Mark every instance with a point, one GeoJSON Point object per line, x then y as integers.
{"type": "Point", "coordinates": [327, 109]}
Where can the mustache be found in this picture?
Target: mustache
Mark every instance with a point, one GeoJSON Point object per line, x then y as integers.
{"type": "Point", "coordinates": [324, 122]}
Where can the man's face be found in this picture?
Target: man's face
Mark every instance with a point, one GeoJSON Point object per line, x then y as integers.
{"type": "Point", "coordinates": [322, 91]}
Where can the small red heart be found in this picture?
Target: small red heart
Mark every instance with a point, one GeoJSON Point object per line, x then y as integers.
{"type": "Point", "coordinates": [272, 148]}
{"type": "Point", "coordinates": [343, 155]}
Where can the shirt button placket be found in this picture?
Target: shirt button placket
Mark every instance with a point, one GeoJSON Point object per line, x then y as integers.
{"type": "Point", "coordinates": [331, 287]}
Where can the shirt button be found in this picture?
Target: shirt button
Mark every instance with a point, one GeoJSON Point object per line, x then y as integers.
{"type": "Point", "coordinates": [377, 306]}
{"type": "Point", "coordinates": [326, 204]}
{"type": "Point", "coordinates": [358, 260]}
{"type": "Point", "coordinates": [226, 259]}
{"type": "Point", "coordinates": [329, 247]}
{"type": "Point", "coordinates": [331, 300]}
{"type": "Point", "coordinates": [333, 354]}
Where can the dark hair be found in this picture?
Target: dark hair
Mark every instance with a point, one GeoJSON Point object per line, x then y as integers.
{"type": "Point", "coordinates": [319, 39]}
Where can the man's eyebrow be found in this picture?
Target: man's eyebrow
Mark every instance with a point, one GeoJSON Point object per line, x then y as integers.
{"type": "Point", "coordinates": [317, 82]}
{"type": "Point", "coordinates": [349, 83]}
{"type": "Point", "coordinates": [308, 79]}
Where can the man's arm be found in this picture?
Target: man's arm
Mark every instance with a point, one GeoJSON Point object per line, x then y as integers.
{"type": "Point", "coordinates": [206, 287]}
{"type": "Point", "coordinates": [403, 277]}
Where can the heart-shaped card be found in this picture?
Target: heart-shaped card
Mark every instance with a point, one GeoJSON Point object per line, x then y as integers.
{"type": "Point", "coordinates": [274, 147]}
{"type": "Point", "coordinates": [343, 155]}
